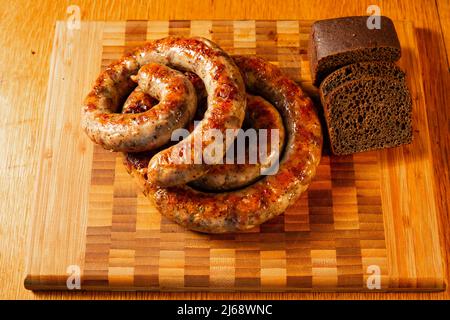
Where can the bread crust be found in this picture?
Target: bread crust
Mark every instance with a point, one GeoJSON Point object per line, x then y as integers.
{"type": "Point", "coordinates": [337, 42]}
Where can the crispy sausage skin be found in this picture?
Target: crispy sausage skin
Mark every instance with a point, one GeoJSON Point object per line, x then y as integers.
{"type": "Point", "coordinates": [176, 107]}
{"type": "Point", "coordinates": [138, 101]}
{"type": "Point", "coordinates": [226, 104]}
{"type": "Point", "coordinates": [245, 208]}
{"type": "Point", "coordinates": [260, 114]}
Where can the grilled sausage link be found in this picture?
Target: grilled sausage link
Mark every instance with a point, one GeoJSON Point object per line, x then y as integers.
{"type": "Point", "coordinates": [245, 208]}
{"type": "Point", "coordinates": [226, 104]}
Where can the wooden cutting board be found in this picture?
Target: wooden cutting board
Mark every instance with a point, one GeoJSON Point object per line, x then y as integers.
{"type": "Point", "coordinates": [367, 218]}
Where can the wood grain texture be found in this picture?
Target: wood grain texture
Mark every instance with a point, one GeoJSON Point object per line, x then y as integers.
{"type": "Point", "coordinates": [23, 85]}
{"type": "Point", "coordinates": [444, 20]}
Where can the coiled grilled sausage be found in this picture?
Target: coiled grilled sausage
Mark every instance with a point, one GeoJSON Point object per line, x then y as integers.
{"type": "Point", "coordinates": [226, 104]}
{"type": "Point", "coordinates": [245, 208]}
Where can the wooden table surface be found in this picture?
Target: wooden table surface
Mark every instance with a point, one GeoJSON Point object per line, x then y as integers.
{"type": "Point", "coordinates": [27, 30]}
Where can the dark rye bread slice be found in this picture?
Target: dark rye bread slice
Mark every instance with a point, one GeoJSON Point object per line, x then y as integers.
{"type": "Point", "coordinates": [334, 43]}
{"type": "Point", "coordinates": [360, 70]}
{"type": "Point", "coordinates": [368, 114]}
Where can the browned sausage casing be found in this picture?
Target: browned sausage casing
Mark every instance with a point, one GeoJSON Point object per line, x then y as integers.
{"type": "Point", "coordinates": [260, 114]}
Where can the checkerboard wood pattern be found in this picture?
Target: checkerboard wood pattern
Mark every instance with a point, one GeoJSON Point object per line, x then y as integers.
{"type": "Point", "coordinates": [340, 233]}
